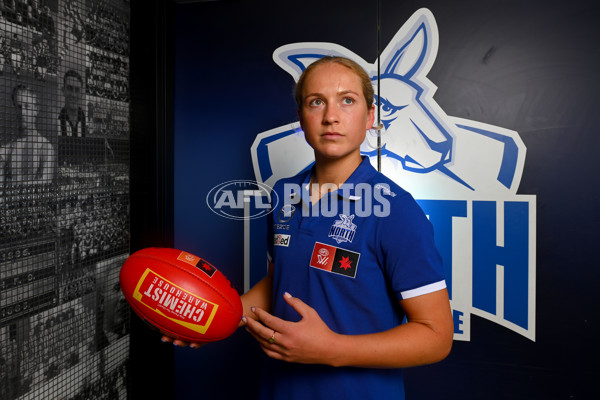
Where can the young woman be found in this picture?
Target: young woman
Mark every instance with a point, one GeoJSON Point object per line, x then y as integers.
{"type": "Point", "coordinates": [355, 290]}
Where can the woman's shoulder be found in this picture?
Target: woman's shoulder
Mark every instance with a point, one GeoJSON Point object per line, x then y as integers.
{"type": "Point", "coordinates": [402, 205]}
{"type": "Point", "coordinates": [389, 188]}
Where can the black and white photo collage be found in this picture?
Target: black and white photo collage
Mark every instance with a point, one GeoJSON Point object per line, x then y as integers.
{"type": "Point", "coordinates": [64, 198]}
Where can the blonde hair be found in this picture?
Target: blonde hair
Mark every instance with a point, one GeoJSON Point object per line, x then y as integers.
{"type": "Point", "coordinates": [365, 81]}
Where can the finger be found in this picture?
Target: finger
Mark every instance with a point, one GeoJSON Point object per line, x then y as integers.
{"type": "Point", "coordinates": [180, 343]}
{"type": "Point", "coordinates": [176, 342]}
{"type": "Point", "coordinates": [301, 307]}
{"type": "Point", "coordinates": [269, 320]}
{"type": "Point", "coordinates": [259, 337]}
{"type": "Point", "coordinates": [260, 332]}
{"type": "Point", "coordinates": [272, 352]}
{"type": "Point", "coordinates": [269, 339]}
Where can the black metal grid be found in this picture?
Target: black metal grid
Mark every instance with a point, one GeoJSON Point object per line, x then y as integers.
{"type": "Point", "coordinates": [64, 198]}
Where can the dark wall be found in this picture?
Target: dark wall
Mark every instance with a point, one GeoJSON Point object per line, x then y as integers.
{"type": "Point", "coordinates": [526, 66]}
{"type": "Point", "coordinates": [530, 66]}
{"type": "Point", "coordinates": [151, 177]}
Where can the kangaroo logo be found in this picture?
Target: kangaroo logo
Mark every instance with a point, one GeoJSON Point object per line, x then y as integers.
{"type": "Point", "coordinates": [343, 230]}
{"type": "Point", "coordinates": [456, 168]}
{"type": "Point", "coordinates": [420, 143]}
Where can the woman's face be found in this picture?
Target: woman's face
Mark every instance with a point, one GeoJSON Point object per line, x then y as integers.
{"type": "Point", "coordinates": [334, 114]}
{"type": "Point", "coordinates": [27, 107]}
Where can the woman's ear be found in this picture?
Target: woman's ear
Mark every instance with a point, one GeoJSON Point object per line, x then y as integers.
{"type": "Point", "coordinates": [299, 112]}
{"type": "Point", "coordinates": [371, 117]}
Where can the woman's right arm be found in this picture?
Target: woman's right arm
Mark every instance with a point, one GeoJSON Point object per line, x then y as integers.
{"type": "Point", "coordinates": [258, 296]}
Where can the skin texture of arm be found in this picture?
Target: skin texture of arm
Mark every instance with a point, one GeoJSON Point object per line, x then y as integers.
{"type": "Point", "coordinates": [259, 295]}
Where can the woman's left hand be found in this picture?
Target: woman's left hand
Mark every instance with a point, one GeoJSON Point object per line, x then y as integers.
{"type": "Point", "coordinates": [308, 341]}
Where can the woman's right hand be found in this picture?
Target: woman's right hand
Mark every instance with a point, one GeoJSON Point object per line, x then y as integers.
{"type": "Point", "coordinates": [181, 343]}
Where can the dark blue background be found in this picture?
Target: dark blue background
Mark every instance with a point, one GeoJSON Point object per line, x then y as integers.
{"type": "Point", "coordinates": [527, 66]}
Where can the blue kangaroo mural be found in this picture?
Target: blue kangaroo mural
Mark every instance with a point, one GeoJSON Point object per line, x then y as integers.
{"type": "Point", "coordinates": [464, 174]}
{"type": "Point", "coordinates": [421, 146]}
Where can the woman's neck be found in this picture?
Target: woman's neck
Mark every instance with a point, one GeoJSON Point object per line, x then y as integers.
{"type": "Point", "coordinates": [332, 173]}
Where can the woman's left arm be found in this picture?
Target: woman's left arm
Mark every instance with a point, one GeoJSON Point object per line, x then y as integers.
{"type": "Point", "coordinates": [425, 338]}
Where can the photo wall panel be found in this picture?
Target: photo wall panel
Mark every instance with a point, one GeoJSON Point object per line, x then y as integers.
{"type": "Point", "coordinates": [64, 198]}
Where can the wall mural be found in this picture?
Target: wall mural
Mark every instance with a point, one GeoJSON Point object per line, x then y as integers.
{"type": "Point", "coordinates": [464, 174]}
{"type": "Point", "coordinates": [64, 198]}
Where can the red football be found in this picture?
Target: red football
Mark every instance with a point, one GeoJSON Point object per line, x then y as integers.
{"type": "Point", "coordinates": [182, 295]}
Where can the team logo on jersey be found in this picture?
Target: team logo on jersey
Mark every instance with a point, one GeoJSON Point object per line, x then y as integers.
{"type": "Point", "coordinates": [343, 230]}
{"type": "Point", "coordinates": [334, 259]}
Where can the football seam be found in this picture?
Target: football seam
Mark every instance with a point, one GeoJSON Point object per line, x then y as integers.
{"type": "Point", "coordinates": [192, 274]}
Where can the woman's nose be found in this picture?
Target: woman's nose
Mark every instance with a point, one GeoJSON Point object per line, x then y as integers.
{"type": "Point", "coordinates": [331, 114]}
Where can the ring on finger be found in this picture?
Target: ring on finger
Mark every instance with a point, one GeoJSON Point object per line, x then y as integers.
{"type": "Point", "coordinates": [272, 338]}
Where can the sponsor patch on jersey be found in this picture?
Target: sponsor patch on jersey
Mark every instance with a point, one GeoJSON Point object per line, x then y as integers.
{"type": "Point", "coordinates": [334, 259]}
{"type": "Point", "coordinates": [281, 240]}
{"type": "Point", "coordinates": [286, 213]}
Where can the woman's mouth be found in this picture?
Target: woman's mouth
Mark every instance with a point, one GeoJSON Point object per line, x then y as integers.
{"type": "Point", "coordinates": [331, 135]}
